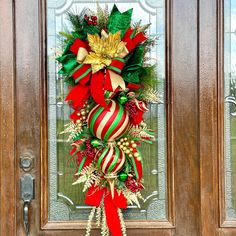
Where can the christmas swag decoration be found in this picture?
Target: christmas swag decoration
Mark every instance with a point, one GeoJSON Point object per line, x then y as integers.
{"type": "Point", "coordinates": [105, 64]}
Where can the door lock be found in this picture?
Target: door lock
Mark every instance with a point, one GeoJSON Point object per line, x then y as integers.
{"type": "Point", "coordinates": [26, 162]}
{"type": "Point", "coordinates": [27, 195]}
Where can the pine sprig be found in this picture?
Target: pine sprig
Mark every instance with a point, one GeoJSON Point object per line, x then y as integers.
{"type": "Point", "coordinates": [132, 198]}
{"type": "Point", "coordinates": [89, 176]}
{"type": "Point", "coordinates": [66, 35]}
{"type": "Point", "coordinates": [73, 129]}
{"type": "Point", "coordinates": [103, 16]}
{"type": "Point", "coordinates": [148, 77]}
{"type": "Point", "coordinates": [150, 95]}
{"type": "Point", "coordinates": [140, 28]}
{"type": "Point", "coordinates": [77, 18]}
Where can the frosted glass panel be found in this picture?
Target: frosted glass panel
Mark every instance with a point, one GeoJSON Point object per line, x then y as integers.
{"type": "Point", "coordinates": [230, 108]}
{"type": "Point", "coordinates": [66, 202]}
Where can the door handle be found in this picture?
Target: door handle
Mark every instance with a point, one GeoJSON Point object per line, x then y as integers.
{"type": "Point", "coordinates": [26, 217]}
{"type": "Point", "coordinates": [27, 195]}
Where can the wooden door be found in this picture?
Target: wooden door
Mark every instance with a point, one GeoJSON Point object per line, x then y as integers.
{"type": "Point", "coordinates": [194, 115]}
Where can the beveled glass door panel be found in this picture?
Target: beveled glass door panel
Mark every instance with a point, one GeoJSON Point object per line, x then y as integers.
{"type": "Point", "coordinates": [230, 108]}
{"type": "Point", "coordinates": [66, 202]}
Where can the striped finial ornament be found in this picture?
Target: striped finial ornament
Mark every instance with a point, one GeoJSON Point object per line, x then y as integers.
{"type": "Point", "coordinates": [108, 123]}
{"type": "Point", "coordinates": [110, 161]}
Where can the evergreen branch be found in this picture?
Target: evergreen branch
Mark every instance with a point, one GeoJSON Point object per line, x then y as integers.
{"type": "Point", "coordinates": [103, 16]}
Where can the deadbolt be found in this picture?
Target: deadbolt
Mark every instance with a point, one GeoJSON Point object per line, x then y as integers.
{"type": "Point", "coordinates": [26, 162]}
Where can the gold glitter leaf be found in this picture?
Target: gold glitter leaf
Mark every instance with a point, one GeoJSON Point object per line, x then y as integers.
{"type": "Point", "coordinates": [104, 49]}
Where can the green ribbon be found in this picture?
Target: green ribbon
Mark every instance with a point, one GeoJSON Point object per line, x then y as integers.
{"type": "Point", "coordinates": [69, 62]}
{"type": "Point", "coordinates": [135, 168]}
{"type": "Point", "coordinates": [133, 67]}
{"type": "Point", "coordinates": [67, 47]}
{"type": "Point", "coordinates": [83, 75]}
{"type": "Point", "coordinates": [81, 165]}
{"type": "Point", "coordinates": [119, 21]}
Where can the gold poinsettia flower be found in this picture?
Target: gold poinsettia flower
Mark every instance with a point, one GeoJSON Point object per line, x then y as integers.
{"type": "Point", "coordinates": [104, 49]}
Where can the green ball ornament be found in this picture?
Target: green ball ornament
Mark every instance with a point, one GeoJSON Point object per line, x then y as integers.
{"type": "Point", "coordinates": [122, 99]}
{"type": "Point", "coordinates": [95, 143]}
{"type": "Point", "coordinates": [122, 176]}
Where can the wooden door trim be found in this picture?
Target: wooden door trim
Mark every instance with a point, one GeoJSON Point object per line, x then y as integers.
{"type": "Point", "coordinates": [7, 119]}
{"type": "Point", "coordinates": [223, 222]}
{"type": "Point", "coordinates": [209, 44]}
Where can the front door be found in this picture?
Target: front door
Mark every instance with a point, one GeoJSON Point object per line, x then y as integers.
{"type": "Point", "coordinates": [189, 171]}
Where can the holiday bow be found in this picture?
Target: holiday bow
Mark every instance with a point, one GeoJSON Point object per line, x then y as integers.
{"type": "Point", "coordinates": [100, 80]}
{"type": "Point", "coordinates": [94, 197]}
{"type": "Point", "coordinates": [96, 82]}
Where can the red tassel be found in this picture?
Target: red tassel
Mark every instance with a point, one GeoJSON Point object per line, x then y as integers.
{"type": "Point", "coordinates": [97, 88]}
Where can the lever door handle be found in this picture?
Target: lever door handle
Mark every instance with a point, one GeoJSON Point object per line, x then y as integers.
{"type": "Point", "coordinates": [26, 217]}
{"type": "Point", "coordinates": [27, 195]}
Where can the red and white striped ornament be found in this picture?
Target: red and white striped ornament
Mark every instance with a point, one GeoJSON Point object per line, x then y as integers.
{"type": "Point", "coordinates": [110, 161]}
{"type": "Point", "coordinates": [108, 123]}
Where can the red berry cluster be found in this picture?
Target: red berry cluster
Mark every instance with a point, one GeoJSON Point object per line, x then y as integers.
{"type": "Point", "coordinates": [89, 152]}
{"type": "Point", "coordinates": [91, 20]}
{"type": "Point", "coordinates": [131, 108]}
{"type": "Point", "coordinates": [133, 185]}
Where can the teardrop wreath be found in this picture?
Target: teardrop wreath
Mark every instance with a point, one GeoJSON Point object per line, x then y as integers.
{"type": "Point", "coordinates": [111, 82]}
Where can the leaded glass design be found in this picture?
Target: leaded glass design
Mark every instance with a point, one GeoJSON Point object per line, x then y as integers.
{"type": "Point", "coordinates": [66, 202]}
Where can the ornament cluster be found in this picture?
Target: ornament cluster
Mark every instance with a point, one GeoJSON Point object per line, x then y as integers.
{"type": "Point", "coordinates": [110, 87]}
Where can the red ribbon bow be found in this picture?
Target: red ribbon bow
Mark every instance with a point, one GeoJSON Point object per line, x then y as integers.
{"type": "Point", "coordinates": [96, 84]}
{"type": "Point", "coordinates": [94, 197]}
